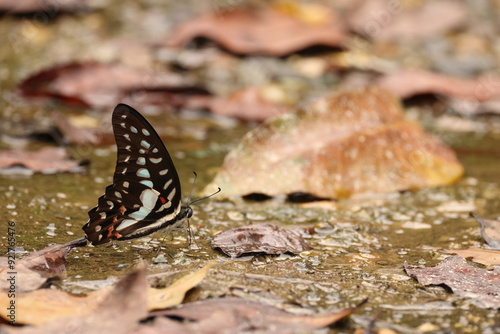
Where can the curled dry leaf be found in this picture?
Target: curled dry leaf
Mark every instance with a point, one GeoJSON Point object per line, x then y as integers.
{"type": "Point", "coordinates": [350, 143]}
{"type": "Point", "coordinates": [106, 311]}
{"type": "Point", "coordinates": [33, 270]}
{"type": "Point", "coordinates": [259, 238]}
{"type": "Point", "coordinates": [174, 294]}
{"type": "Point", "coordinates": [81, 130]}
{"type": "Point", "coordinates": [48, 160]}
{"type": "Point", "coordinates": [410, 82]}
{"type": "Point", "coordinates": [490, 230]}
{"type": "Point", "coordinates": [249, 104]}
{"type": "Point", "coordinates": [384, 20]}
{"type": "Point", "coordinates": [98, 84]}
{"type": "Point", "coordinates": [275, 31]}
{"type": "Point", "coordinates": [228, 314]}
{"type": "Point", "coordinates": [484, 256]}
{"type": "Point", "coordinates": [481, 286]}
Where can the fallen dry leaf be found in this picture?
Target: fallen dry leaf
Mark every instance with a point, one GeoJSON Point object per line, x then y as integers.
{"type": "Point", "coordinates": [259, 238]}
{"type": "Point", "coordinates": [83, 134]}
{"type": "Point", "coordinates": [275, 31]}
{"type": "Point", "coordinates": [32, 271]}
{"type": "Point", "coordinates": [228, 314]}
{"type": "Point", "coordinates": [99, 84]}
{"type": "Point", "coordinates": [484, 256]}
{"type": "Point", "coordinates": [350, 143]}
{"type": "Point", "coordinates": [50, 7]}
{"type": "Point", "coordinates": [119, 311]}
{"type": "Point", "coordinates": [410, 82]}
{"type": "Point", "coordinates": [174, 294]}
{"type": "Point", "coordinates": [480, 286]}
{"type": "Point", "coordinates": [384, 20]}
{"type": "Point", "coordinates": [48, 160]}
{"type": "Point", "coordinates": [248, 104]}
{"type": "Point", "coordinates": [490, 230]}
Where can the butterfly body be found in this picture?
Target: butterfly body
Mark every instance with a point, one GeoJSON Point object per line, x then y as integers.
{"type": "Point", "coordinates": [146, 194]}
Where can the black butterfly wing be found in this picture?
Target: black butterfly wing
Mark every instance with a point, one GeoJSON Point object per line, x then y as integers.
{"type": "Point", "coordinates": [146, 193]}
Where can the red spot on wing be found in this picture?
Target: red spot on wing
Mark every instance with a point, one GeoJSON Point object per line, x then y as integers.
{"type": "Point", "coordinates": [163, 200]}
{"type": "Point", "coordinates": [110, 231]}
{"type": "Point", "coordinates": [122, 210]}
{"type": "Point", "coordinates": [118, 236]}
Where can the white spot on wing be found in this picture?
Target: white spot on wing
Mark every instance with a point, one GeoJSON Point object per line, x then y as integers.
{"type": "Point", "coordinates": [126, 223]}
{"type": "Point", "coordinates": [145, 144]}
{"type": "Point", "coordinates": [127, 136]}
{"type": "Point", "coordinates": [172, 194]}
{"type": "Point", "coordinates": [141, 161]}
{"type": "Point", "coordinates": [140, 214]}
{"type": "Point", "coordinates": [118, 195]}
{"type": "Point", "coordinates": [98, 228]}
{"type": "Point", "coordinates": [147, 183]}
{"type": "Point", "coordinates": [155, 160]}
{"type": "Point", "coordinates": [163, 172]}
{"type": "Point", "coordinates": [149, 198]}
{"type": "Point", "coordinates": [168, 183]}
{"type": "Point", "coordinates": [133, 129]}
{"type": "Point", "coordinates": [143, 172]}
{"type": "Point", "coordinates": [125, 184]}
{"type": "Point", "coordinates": [145, 132]}
{"type": "Point", "coordinates": [103, 215]}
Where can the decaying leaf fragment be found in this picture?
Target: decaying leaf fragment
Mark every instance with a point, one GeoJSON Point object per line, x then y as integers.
{"type": "Point", "coordinates": [48, 160]}
{"type": "Point", "coordinates": [276, 31]}
{"type": "Point", "coordinates": [350, 143]}
{"type": "Point", "coordinates": [487, 257]}
{"type": "Point", "coordinates": [107, 311]}
{"type": "Point", "coordinates": [174, 294]}
{"type": "Point", "coordinates": [244, 316]}
{"type": "Point", "coordinates": [33, 270]}
{"type": "Point", "coordinates": [481, 286]}
{"type": "Point", "coordinates": [259, 238]}
{"type": "Point", "coordinates": [99, 84]}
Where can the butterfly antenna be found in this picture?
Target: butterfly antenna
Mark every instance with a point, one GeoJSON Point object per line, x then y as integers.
{"type": "Point", "coordinates": [192, 186]}
{"type": "Point", "coordinates": [203, 198]}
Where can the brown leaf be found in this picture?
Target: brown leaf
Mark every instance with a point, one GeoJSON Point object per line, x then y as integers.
{"type": "Point", "coordinates": [98, 84]}
{"type": "Point", "coordinates": [384, 20]}
{"type": "Point", "coordinates": [49, 7]}
{"type": "Point", "coordinates": [410, 82]}
{"type": "Point", "coordinates": [174, 294]}
{"type": "Point", "coordinates": [350, 143]}
{"type": "Point", "coordinates": [481, 286]}
{"type": "Point", "coordinates": [218, 315]}
{"type": "Point", "coordinates": [83, 134]}
{"type": "Point", "coordinates": [490, 230]}
{"type": "Point", "coordinates": [115, 311]}
{"type": "Point", "coordinates": [249, 104]}
{"type": "Point", "coordinates": [34, 269]}
{"type": "Point", "coordinates": [259, 238]}
{"type": "Point", "coordinates": [479, 255]}
{"type": "Point", "coordinates": [48, 160]}
{"type": "Point", "coordinates": [268, 31]}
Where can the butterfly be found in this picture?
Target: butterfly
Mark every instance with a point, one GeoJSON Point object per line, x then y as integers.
{"type": "Point", "coordinates": [146, 193]}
